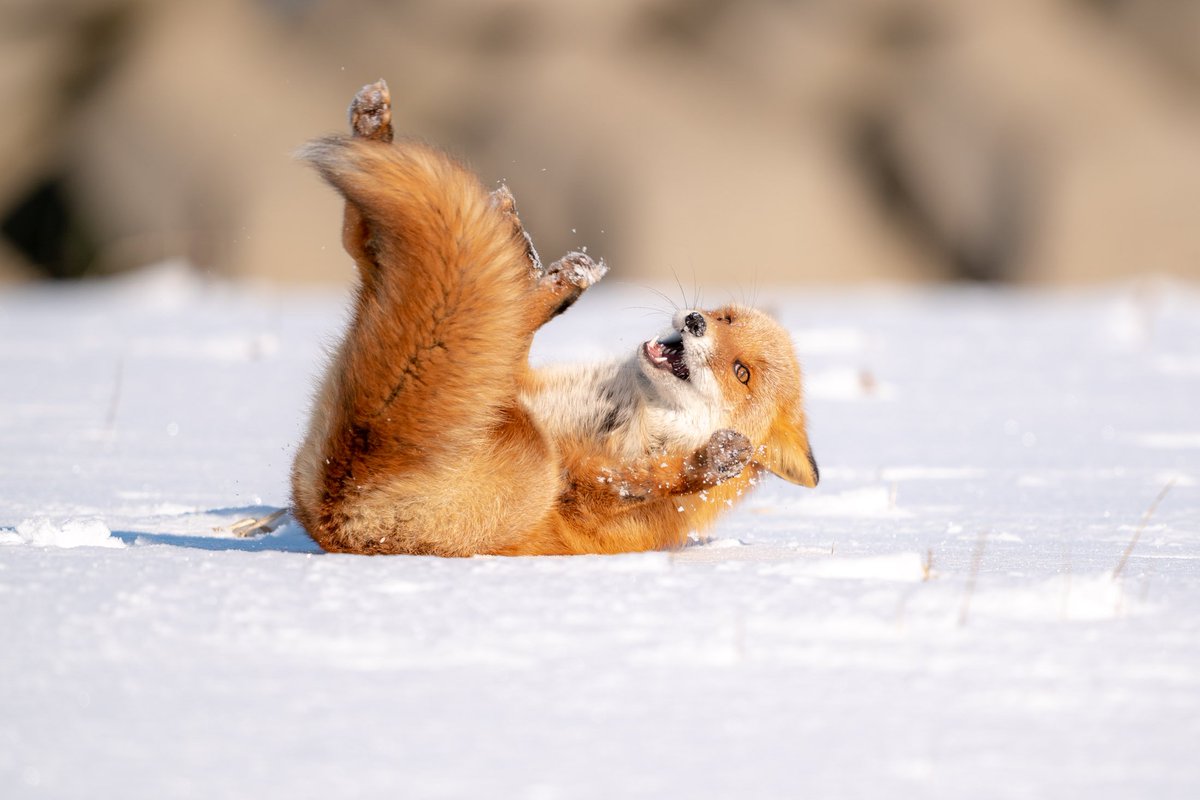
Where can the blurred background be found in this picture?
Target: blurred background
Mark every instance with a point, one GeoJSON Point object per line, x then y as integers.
{"type": "Point", "coordinates": [720, 141]}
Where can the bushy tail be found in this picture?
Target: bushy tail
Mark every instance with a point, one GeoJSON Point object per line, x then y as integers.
{"type": "Point", "coordinates": [437, 343]}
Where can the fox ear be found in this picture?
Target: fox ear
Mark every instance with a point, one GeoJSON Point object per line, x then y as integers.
{"type": "Point", "coordinates": [789, 455]}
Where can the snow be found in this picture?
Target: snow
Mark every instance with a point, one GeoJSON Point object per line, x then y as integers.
{"type": "Point", "coordinates": [950, 614]}
{"type": "Point", "coordinates": [68, 533]}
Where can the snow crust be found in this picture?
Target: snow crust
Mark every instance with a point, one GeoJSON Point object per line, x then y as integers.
{"type": "Point", "coordinates": [974, 602]}
{"type": "Point", "coordinates": [42, 532]}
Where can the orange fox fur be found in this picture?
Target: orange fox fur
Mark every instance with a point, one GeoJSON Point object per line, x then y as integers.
{"type": "Point", "coordinates": [431, 433]}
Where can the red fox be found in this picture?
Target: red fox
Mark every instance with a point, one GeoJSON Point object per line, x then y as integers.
{"type": "Point", "coordinates": [431, 434]}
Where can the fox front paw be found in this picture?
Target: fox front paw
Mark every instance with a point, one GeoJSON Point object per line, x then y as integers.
{"type": "Point", "coordinates": [560, 284]}
{"type": "Point", "coordinates": [371, 112]}
{"type": "Point", "coordinates": [576, 269]}
{"type": "Point", "coordinates": [726, 455]}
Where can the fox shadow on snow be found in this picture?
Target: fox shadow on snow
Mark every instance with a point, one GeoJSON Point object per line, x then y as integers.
{"type": "Point", "coordinates": [289, 537]}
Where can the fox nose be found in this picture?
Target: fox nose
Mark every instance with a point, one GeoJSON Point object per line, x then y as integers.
{"type": "Point", "coordinates": [694, 324]}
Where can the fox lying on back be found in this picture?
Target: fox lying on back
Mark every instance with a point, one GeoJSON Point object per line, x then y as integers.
{"type": "Point", "coordinates": [431, 433]}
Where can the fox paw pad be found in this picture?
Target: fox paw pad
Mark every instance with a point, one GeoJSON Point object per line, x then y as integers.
{"type": "Point", "coordinates": [727, 454]}
{"type": "Point", "coordinates": [371, 112]}
{"type": "Point", "coordinates": [578, 269]}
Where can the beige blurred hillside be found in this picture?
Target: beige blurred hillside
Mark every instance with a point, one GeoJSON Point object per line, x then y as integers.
{"type": "Point", "coordinates": [722, 141]}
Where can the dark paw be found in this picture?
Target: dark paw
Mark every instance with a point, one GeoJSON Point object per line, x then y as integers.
{"type": "Point", "coordinates": [727, 454]}
{"type": "Point", "coordinates": [371, 112]}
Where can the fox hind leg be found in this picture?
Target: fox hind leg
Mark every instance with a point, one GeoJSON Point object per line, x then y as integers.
{"type": "Point", "coordinates": [506, 204]}
{"type": "Point", "coordinates": [370, 116]}
{"type": "Point", "coordinates": [557, 285]}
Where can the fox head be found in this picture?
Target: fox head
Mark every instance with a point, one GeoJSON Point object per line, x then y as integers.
{"type": "Point", "coordinates": [736, 367]}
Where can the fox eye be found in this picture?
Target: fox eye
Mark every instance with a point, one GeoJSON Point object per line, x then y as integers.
{"type": "Point", "coordinates": [742, 372]}
{"type": "Point", "coordinates": [727, 318]}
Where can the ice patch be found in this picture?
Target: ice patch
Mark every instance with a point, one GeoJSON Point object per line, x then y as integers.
{"type": "Point", "coordinates": [41, 532]}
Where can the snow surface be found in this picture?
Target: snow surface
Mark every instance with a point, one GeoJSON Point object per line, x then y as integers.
{"type": "Point", "coordinates": [968, 606]}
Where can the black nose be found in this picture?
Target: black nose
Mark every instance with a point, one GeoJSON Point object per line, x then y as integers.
{"type": "Point", "coordinates": [694, 323]}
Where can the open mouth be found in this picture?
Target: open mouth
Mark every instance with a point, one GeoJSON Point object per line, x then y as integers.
{"type": "Point", "coordinates": [667, 354]}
